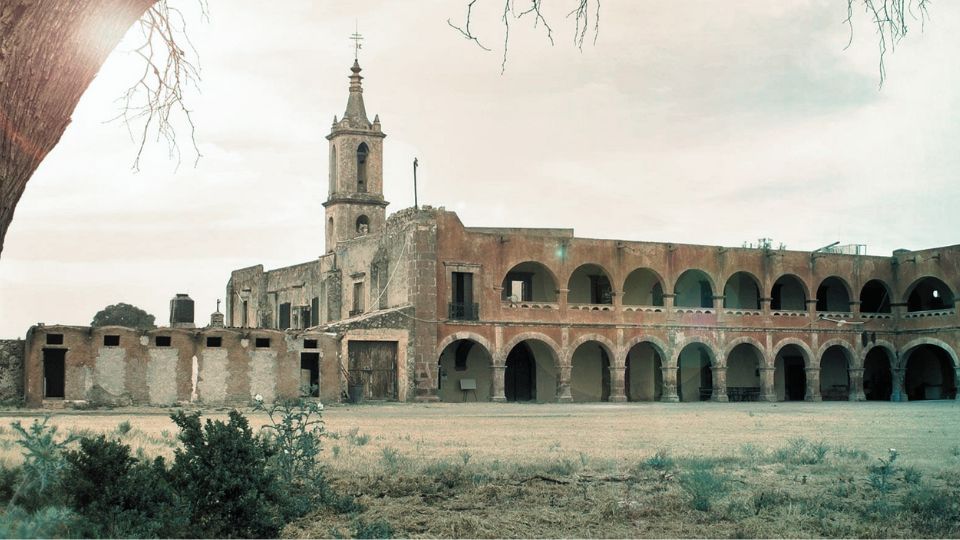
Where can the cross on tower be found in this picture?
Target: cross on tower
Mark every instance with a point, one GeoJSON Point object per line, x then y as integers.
{"type": "Point", "coordinates": [357, 38]}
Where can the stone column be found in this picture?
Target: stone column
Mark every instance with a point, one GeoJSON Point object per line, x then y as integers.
{"type": "Point", "coordinates": [856, 384]}
{"type": "Point", "coordinates": [669, 384]}
{"type": "Point", "coordinates": [855, 308]}
{"type": "Point", "coordinates": [499, 395]}
{"type": "Point", "coordinates": [668, 299]}
{"type": "Point", "coordinates": [956, 382]}
{"type": "Point", "coordinates": [617, 297]}
{"type": "Point", "coordinates": [898, 309]}
{"type": "Point", "coordinates": [812, 308]}
{"type": "Point", "coordinates": [898, 393]}
{"type": "Point", "coordinates": [765, 305]}
{"type": "Point", "coordinates": [813, 384]}
{"type": "Point", "coordinates": [562, 298]}
{"type": "Point", "coordinates": [767, 391]}
{"type": "Point", "coordinates": [563, 388]}
{"type": "Point", "coordinates": [617, 379]}
{"type": "Point", "coordinates": [719, 384]}
{"type": "Point", "coordinates": [718, 307]}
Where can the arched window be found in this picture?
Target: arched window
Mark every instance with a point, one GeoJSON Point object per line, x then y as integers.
{"type": "Point", "coordinates": [363, 224]}
{"type": "Point", "coordinates": [333, 168]}
{"type": "Point", "coordinates": [362, 152]}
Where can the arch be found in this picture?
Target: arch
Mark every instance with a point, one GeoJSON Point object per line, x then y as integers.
{"type": "Point", "coordinates": [643, 373]}
{"type": "Point", "coordinates": [928, 293]}
{"type": "Point", "coordinates": [460, 359]}
{"type": "Point", "coordinates": [745, 339]}
{"type": "Point", "coordinates": [836, 359]}
{"type": "Point", "coordinates": [605, 342]}
{"type": "Point", "coordinates": [695, 370]}
{"type": "Point", "coordinates": [590, 363]}
{"type": "Point", "coordinates": [525, 336]}
{"type": "Point", "coordinates": [834, 294]}
{"type": "Point", "coordinates": [807, 351]}
{"type": "Point", "coordinates": [694, 288]}
{"type": "Point", "coordinates": [743, 361]}
{"type": "Point", "coordinates": [789, 293]}
{"type": "Point", "coordinates": [742, 291]}
{"type": "Point", "coordinates": [590, 283]}
{"type": "Point", "coordinates": [715, 356]}
{"type": "Point", "coordinates": [526, 375]}
{"type": "Point", "coordinates": [363, 152]}
{"type": "Point", "coordinates": [913, 344]}
{"type": "Point", "coordinates": [888, 347]}
{"type": "Point", "coordinates": [530, 281]}
{"type": "Point", "coordinates": [643, 287]}
{"type": "Point", "coordinates": [790, 375]}
{"type": "Point", "coordinates": [929, 371]}
{"type": "Point", "coordinates": [878, 362]}
{"type": "Point", "coordinates": [333, 168]}
{"type": "Point", "coordinates": [363, 224]}
{"type": "Point", "coordinates": [456, 336]}
{"type": "Point", "coordinates": [875, 297]}
{"type": "Point", "coordinates": [658, 345]}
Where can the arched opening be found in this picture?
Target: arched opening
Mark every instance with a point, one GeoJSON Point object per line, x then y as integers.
{"type": "Point", "coordinates": [642, 288]}
{"type": "Point", "coordinates": [589, 284]}
{"type": "Point", "coordinates": [929, 294]}
{"type": "Point", "coordinates": [694, 373]}
{"type": "Point", "coordinates": [363, 224]}
{"type": "Point", "coordinates": [529, 282]}
{"type": "Point", "coordinates": [590, 373]}
{"type": "Point", "coordinates": [333, 168]}
{"type": "Point", "coordinates": [465, 372]}
{"type": "Point", "coordinates": [835, 374]}
{"type": "Point", "coordinates": [877, 377]}
{"type": "Point", "coordinates": [743, 373]}
{"type": "Point", "coordinates": [643, 377]}
{"type": "Point", "coordinates": [362, 153]}
{"type": "Point", "coordinates": [788, 294]}
{"type": "Point", "coordinates": [530, 373]}
{"type": "Point", "coordinates": [833, 295]}
{"type": "Point", "coordinates": [929, 374]}
{"type": "Point", "coordinates": [789, 376]}
{"type": "Point", "coordinates": [875, 297]}
{"type": "Point", "coordinates": [693, 289]}
{"type": "Point", "coordinates": [741, 292]}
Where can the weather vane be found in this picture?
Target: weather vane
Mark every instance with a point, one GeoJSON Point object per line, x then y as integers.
{"type": "Point", "coordinates": [357, 38]}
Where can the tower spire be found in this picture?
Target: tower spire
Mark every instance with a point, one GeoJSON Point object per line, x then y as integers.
{"type": "Point", "coordinates": [356, 113]}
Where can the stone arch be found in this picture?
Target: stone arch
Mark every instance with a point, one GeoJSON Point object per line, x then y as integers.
{"type": "Point", "coordinates": [638, 289]}
{"type": "Point", "coordinates": [695, 373]}
{"type": "Point", "coordinates": [549, 289]}
{"type": "Point", "coordinates": [904, 356]}
{"type": "Point", "coordinates": [716, 360]}
{"type": "Point", "coordinates": [741, 340]}
{"type": "Point", "coordinates": [835, 359]}
{"type": "Point", "coordinates": [925, 294]}
{"type": "Point", "coordinates": [808, 355]}
{"type": "Point", "coordinates": [875, 296]}
{"type": "Point", "coordinates": [456, 336]}
{"type": "Point", "coordinates": [658, 345]}
{"type": "Point", "coordinates": [583, 289]}
{"type": "Point", "coordinates": [852, 355]}
{"type": "Point", "coordinates": [501, 357]}
{"type": "Point", "coordinates": [826, 300]}
{"type": "Point", "coordinates": [788, 301]}
{"type": "Point", "coordinates": [681, 292]}
{"type": "Point", "coordinates": [735, 303]}
{"type": "Point", "coordinates": [883, 344]}
{"type": "Point", "coordinates": [612, 350]}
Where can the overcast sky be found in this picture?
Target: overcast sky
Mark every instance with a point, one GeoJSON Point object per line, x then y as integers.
{"type": "Point", "coordinates": [688, 121]}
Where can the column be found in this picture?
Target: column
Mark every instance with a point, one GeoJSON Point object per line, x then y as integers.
{"type": "Point", "coordinates": [855, 308]}
{"type": "Point", "coordinates": [898, 394]}
{"type": "Point", "coordinates": [767, 391]}
{"type": "Point", "coordinates": [562, 298]}
{"type": "Point", "coordinates": [812, 308]}
{"type": "Point", "coordinates": [719, 383]}
{"type": "Point", "coordinates": [499, 394]}
{"type": "Point", "coordinates": [668, 299]}
{"type": "Point", "coordinates": [617, 300]}
{"type": "Point", "coordinates": [765, 305]}
{"type": "Point", "coordinates": [563, 387]}
{"type": "Point", "coordinates": [813, 384]}
{"type": "Point", "coordinates": [956, 382]}
{"type": "Point", "coordinates": [669, 384]}
{"type": "Point", "coordinates": [718, 308]}
{"type": "Point", "coordinates": [856, 384]}
{"type": "Point", "coordinates": [617, 390]}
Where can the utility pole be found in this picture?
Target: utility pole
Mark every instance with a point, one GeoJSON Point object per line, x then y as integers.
{"type": "Point", "coordinates": [415, 207]}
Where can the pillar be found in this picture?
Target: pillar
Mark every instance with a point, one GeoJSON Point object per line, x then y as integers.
{"type": "Point", "coordinates": [813, 384]}
{"type": "Point", "coordinates": [812, 308]}
{"type": "Point", "coordinates": [898, 394]}
{"type": "Point", "coordinates": [856, 384]}
{"type": "Point", "coordinates": [855, 308]}
{"type": "Point", "coordinates": [563, 385]}
{"type": "Point", "coordinates": [767, 391]}
{"type": "Point", "coordinates": [669, 384]}
{"type": "Point", "coordinates": [719, 383]}
{"type": "Point", "coordinates": [562, 298]}
{"type": "Point", "coordinates": [617, 384]}
{"type": "Point", "coordinates": [499, 394]}
{"type": "Point", "coordinates": [617, 297]}
{"type": "Point", "coordinates": [956, 382]}
{"type": "Point", "coordinates": [668, 300]}
{"type": "Point", "coordinates": [765, 305]}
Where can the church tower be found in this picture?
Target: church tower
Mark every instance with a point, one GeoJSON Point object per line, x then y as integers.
{"type": "Point", "coordinates": [355, 204]}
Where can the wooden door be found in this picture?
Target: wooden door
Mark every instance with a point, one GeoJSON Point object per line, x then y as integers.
{"type": "Point", "coordinates": [375, 363]}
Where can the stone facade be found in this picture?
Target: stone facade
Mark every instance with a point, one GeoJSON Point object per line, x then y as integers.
{"type": "Point", "coordinates": [11, 370]}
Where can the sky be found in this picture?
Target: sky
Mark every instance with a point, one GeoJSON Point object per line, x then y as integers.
{"type": "Point", "coordinates": [698, 122]}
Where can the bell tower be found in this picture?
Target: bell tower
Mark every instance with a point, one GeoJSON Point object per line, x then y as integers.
{"type": "Point", "coordinates": [355, 204]}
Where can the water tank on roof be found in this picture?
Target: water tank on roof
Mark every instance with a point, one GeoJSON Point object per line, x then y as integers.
{"type": "Point", "coordinates": [181, 311]}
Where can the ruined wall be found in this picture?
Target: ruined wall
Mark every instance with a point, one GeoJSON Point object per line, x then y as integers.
{"type": "Point", "coordinates": [11, 370]}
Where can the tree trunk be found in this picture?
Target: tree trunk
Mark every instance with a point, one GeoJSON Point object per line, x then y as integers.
{"type": "Point", "coordinates": [50, 50]}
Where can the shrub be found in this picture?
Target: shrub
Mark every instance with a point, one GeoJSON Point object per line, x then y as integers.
{"type": "Point", "coordinates": [115, 495]}
{"type": "Point", "coordinates": [378, 528]}
{"type": "Point", "coordinates": [42, 465]}
{"type": "Point", "coordinates": [48, 522]}
{"type": "Point", "coordinates": [881, 476]}
{"type": "Point", "coordinates": [660, 461]}
{"type": "Point", "coordinates": [9, 480]}
{"type": "Point", "coordinates": [391, 458]}
{"type": "Point", "coordinates": [295, 430]}
{"type": "Point", "coordinates": [703, 485]}
{"type": "Point", "coordinates": [912, 475]}
{"type": "Point", "coordinates": [221, 473]}
{"type": "Point", "coordinates": [124, 427]}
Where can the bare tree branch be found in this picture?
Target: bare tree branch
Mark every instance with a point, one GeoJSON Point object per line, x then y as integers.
{"type": "Point", "coordinates": [890, 19]}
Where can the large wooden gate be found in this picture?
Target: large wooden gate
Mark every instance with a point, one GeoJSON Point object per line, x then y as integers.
{"type": "Point", "coordinates": [374, 363]}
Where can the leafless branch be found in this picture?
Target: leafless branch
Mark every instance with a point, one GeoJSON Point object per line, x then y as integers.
{"type": "Point", "coordinates": [157, 97]}
{"type": "Point", "coordinates": [534, 8]}
{"type": "Point", "coordinates": [890, 18]}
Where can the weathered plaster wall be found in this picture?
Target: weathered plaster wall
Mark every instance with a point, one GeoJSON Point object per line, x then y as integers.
{"type": "Point", "coordinates": [11, 370]}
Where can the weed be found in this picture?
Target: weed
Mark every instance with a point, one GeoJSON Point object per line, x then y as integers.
{"type": "Point", "coordinates": [336, 451]}
{"type": "Point", "coordinates": [391, 458]}
{"type": "Point", "coordinates": [165, 434]}
{"type": "Point", "coordinates": [934, 509]}
{"type": "Point", "coordinates": [766, 499]}
{"type": "Point", "coordinates": [378, 528]}
{"type": "Point", "coordinates": [124, 427]}
{"type": "Point", "coordinates": [465, 456]}
{"type": "Point", "coordinates": [819, 452]}
{"type": "Point", "coordinates": [955, 450]}
{"type": "Point", "coordinates": [881, 476]}
{"type": "Point", "coordinates": [660, 461]}
{"type": "Point", "coordinates": [850, 453]}
{"type": "Point", "coordinates": [43, 463]}
{"type": "Point", "coordinates": [48, 522]}
{"type": "Point", "coordinates": [562, 467]}
{"type": "Point", "coordinates": [912, 475]}
{"type": "Point", "coordinates": [584, 459]}
{"type": "Point", "coordinates": [554, 447]}
{"type": "Point", "coordinates": [296, 430]}
{"type": "Point", "coordinates": [703, 485]}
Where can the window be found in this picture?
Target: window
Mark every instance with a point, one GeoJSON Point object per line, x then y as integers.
{"type": "Point", "coordinates": [333, 168]}
{"type": "Point", "coordinates": [362, 152]}
{"type": "Point", "coordinates": [315, 311]}
{"type": "Point", "coordinates": [363, 224]}
{"type": "Point", "coordinates": [54, 339]}
{"type": "Point", "coordinates": [214, 341]}
{"type": "Point", "coordinates": [243, 315]}
{"type": "Point", "coordinates": [162, 341]}
{"type": "Point", "coordinates": [309, 344]}
{"type": "Point", "coordinates": [261, 342]}
{"type": "Point", "coordinates": [283, 321]}
{"type": "Point", "coordinates": [462, 306]}
{"type": "Point", "coordinates": [111, 341]}
{"type": "Point", "coordinates": [357, 299]}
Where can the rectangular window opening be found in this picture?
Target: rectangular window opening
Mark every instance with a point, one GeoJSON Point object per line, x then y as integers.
{"type": "Point", "coordinates": [284, 316]}
{"type": "Point", "coordinates": [54, 339]}
{"type": "Point", "coordinates": [111, 341]}
{"type": "Point", "coordinates": [214, 341]}
{"type": "Point", "coordinates": [262, 342]}
{"type": "Point", "coordinates": [309, 344]}
{"type": "Point", "coordinates": [162, 341]}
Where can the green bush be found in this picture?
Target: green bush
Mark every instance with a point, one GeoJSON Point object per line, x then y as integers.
{"type": "Point", "coordinates": [116, 495]}
{"type": "Point", "coordinates": [48, 522]}
{"type": "Point", "coordinates": [378, 528]}
{"type": "Point", "coordinates": [295, 429]}
{"type": "Point", "coordinates": [703, 485]}
{"type": "Point", "coordinates": [42, 466]}
{"type": "Point", "coordinates": [9, 480]}
{"type": "Point", "coordinates": [660, 461]}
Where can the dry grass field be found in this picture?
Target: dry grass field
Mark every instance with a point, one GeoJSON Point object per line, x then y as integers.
{"type": "Point", "coordinates": [614, 470]}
